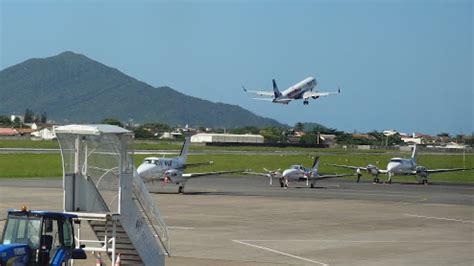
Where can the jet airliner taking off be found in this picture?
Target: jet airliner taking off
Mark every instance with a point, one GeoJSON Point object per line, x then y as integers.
{"type": "Point", "coordinates": [301, 90]}
{"type": "Point", "coordinates": [400, 166]}
{"type": "Point", "coordinates": [171, 170]}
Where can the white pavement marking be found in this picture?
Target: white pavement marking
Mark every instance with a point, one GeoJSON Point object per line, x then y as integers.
{"type": "Point", "coordinates": [439, 218]}
{"type": "Point", "coordinates": [281, 253]}
{"type": "Point", "coordinates": [357, 241]}
{"type": "Point", "coordinates": [181, 227]}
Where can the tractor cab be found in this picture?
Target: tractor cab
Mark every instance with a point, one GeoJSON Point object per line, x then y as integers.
{"type": "Point", "coordinates": [38, 238]}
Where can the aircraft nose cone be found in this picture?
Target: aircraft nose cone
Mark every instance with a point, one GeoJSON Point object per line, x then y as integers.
{"type": "Point", "coordinates": [288, 173]}
{"type": "Point", "coordinates": [391, 167]}
{"type": "Point", "coordinates": [145, 170]}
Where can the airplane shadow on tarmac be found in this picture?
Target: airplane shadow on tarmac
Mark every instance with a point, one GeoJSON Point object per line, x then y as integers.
{"type": "Point", "coordinates": [195, 193]}
{"type": "Point", "coordinates": [232, 193]}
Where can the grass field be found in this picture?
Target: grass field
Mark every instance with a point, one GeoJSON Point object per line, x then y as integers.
{"type": "Point", "coordinates": [49, 165]}
{"type": "Point", "coordinates": [43, 144]}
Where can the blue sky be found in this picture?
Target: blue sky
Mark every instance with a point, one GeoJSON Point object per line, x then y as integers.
{"type": "Point", "coordinates": [405, 65]}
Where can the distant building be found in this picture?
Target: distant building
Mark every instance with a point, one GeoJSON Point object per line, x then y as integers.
{"type": "Point", "coordinates": [44, 134]}
{"type": "Point", "coordinates": [390, 132]}
{"type": "Point", "coordinates": [8, 132]}
{"type": "Point", "coordinates": [24, 131]}
{"type": "Point", "coordinates": [454, 145]}
{"type": "Point", "coordinates": [414, 139]}
{"type": "Point", "coordinates": [171, 135]}
{"type": "Point", "coordinates": [295, 137]}
{"type": "Point", "coordinates": [226, 138]}
{"type": "Point", "coordinates": [328, 139]}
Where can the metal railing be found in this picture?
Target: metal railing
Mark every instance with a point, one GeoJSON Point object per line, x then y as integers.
{"type": "Point", "coordinates": [151, 213]}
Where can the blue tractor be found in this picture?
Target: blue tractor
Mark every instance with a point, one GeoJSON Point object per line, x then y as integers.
{"type": "Point", "coordinates": [38, 238]}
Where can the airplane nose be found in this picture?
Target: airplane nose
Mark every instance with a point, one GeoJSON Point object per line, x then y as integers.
{"type": "Point", "coordinates": [391, 167]}
{"type": "Point", "coordinates": [286, 173]}
{"type": "Point", "coordinates": [145, 170]}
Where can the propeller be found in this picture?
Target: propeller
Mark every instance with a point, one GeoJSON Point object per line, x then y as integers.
{"type": "Point", "coordinates": [307, 175]}
{"type": "Point", "coordinates": [165, 181]}
{"type": "Point", "coordinates": [167, 176]}
{"type": "Point", "coordinates": [271, 174]}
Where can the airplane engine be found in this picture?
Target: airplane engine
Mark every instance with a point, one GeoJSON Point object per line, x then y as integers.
{"type": "Point", "coordinates": [171, 176]}
{"type": "Point", "coordinates": [421, 171]}
{"type": "Point", "coordinates": [372, 169]}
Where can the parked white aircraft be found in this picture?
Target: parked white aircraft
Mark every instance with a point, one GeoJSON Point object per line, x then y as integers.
{"type": "Point", "coordinates": [171, 170]}
{"type": "Point", "coordinates": [301, 90]}
{"type": "Point", "coordinates": [400, 166]}
{"type": "Point", "coordinates": [298, 173]}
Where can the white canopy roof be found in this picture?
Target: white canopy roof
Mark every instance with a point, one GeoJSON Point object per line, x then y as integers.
{"type": "Point", "coordinates": [98, 129]}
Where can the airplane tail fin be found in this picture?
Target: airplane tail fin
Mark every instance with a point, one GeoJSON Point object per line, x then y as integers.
{"type": "Point", "coordinates": [413, 154]}
{"type": "Point", "coordinates": [276, 91]}
{"type": "Point", "coordinates": [184, 149]}
{"type": "Point", "coordinates": [315, 164]}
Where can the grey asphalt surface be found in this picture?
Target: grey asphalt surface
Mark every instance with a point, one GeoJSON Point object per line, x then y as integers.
{"type": "Point", "coordinates": [326, 189]}
{"type": "Point", "coordinates": [243, 221]}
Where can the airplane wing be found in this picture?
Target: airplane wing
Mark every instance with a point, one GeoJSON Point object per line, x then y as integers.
{"type": "Point", "coordinates": [255, 173]}
{"type": "Point", "coordinates": [264, 99]}
{"type": "Point", "coordinates": [315, 94]}
{"type": "Point", "coordinates": [349, 166]}
{"type": "Point", "coordinates": [330, 176]}
{"type": "Point", "coordinates": [199, 164]}
{"type": "Point", "coordinates": [260, 93]}
{"type": "Point", "coordinates": [364, 168]}
{"type": "Point", "coordinates": [194, 175]}
{"type": "Point", "coordinates": [436, 171]}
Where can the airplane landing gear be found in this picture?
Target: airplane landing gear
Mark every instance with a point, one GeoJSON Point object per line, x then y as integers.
{"type": "Point", "coordinates": [305, 102]}
{"type": "Point", "coordinates": [181, 189]}
{"type": "Point", "coordinates": [424, 181]}
{"type": "Point", "coordinates": [376, 180]}
{"type": "Point", "coordinates": [389, 181]}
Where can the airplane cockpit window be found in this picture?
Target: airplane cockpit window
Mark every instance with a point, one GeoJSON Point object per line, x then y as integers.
{"type": "Point", "coordinates": [148, 161]}
{"type": "Point", "coordinates": [396, 161]}
{"type": "Point", "coordinates": [296, 166]}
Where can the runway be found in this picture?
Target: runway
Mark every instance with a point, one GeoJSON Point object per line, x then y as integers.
{"type": "Point", "coordinates": [244, 221]}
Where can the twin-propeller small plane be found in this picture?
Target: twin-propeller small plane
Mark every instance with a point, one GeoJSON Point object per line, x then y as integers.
{"type": "Point", "coordinates": [399, 166]}
{"type": "Point", "coordinates": [298, 173]}
{"type": "Point", "coordinates": [171, 170]}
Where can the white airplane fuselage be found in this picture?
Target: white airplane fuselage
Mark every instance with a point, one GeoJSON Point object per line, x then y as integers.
{"type": "Point", "coordinates": [296, 173]}
{"type": "Point", "coordinates": [296, 91]}
{"type": "Point", "coordinates": [399, 166]}
{"type": "Point", "coordinates": [154, 168]}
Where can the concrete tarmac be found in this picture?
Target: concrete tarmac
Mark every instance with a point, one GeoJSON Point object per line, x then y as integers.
{"type": "Point", "coordinates": [244, 221]}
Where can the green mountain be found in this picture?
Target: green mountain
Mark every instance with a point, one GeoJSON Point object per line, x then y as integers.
{"type": "Point", "coordinates": [71, 88]}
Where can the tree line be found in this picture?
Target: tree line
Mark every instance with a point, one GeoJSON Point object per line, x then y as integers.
{"type": "Point", "coordinates": [29, 117]}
